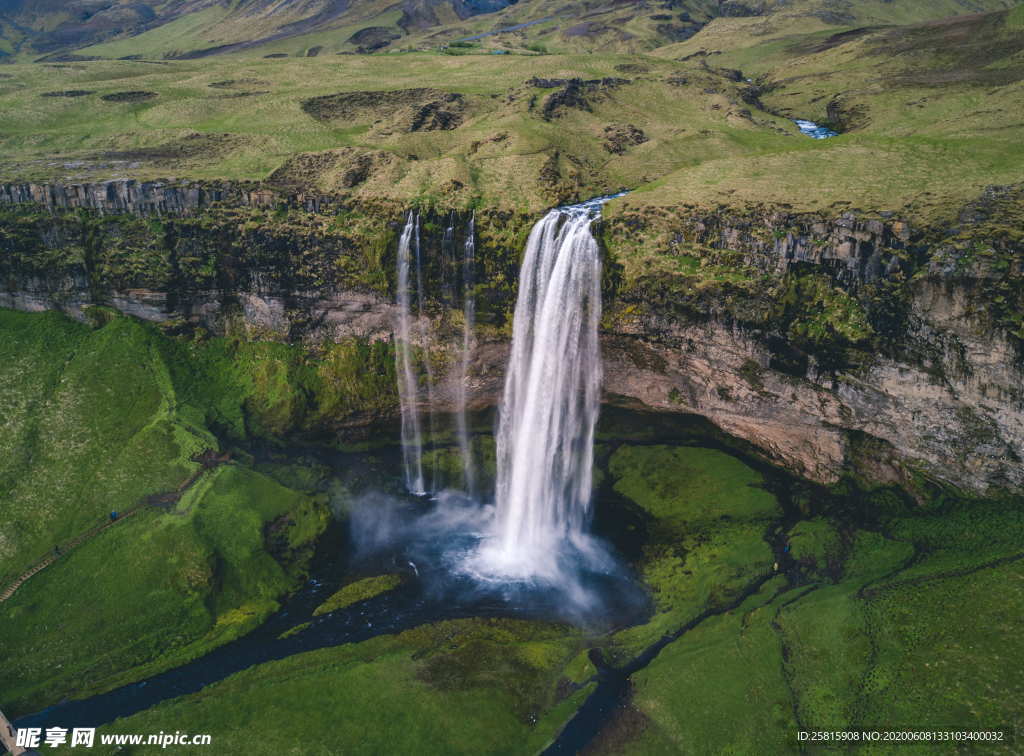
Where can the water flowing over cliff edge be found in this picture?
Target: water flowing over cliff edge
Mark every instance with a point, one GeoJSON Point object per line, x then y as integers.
{"type": "Point", "coordinates": [834, 345]}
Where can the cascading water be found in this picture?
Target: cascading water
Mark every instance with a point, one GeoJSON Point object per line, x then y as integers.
{"type": "Point", "coordinates": [551, 402]}
{"type": "Point", "coordinates": [408, 392]}
{"type": "Point", "coordinates": [425, 346]}
{"type": "Point", "coordinates": [468, 327]}
{"type": "Point", "coordinates": [537, 529]}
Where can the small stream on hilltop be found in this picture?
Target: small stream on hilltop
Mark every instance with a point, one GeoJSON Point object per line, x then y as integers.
{"type": "Point", "coordinates": [814, 130]}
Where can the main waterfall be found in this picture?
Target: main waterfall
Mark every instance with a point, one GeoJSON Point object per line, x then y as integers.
{"type": "Point", "coordinates": [536, 530]}
{"type": "Point", "coordinates": [551, 401]}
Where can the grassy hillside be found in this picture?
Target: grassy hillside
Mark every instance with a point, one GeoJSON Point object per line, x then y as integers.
{"type": "Point", "coordinates": [94, 420]}
{"type": "Point", "coordinates": [492, 133]}
{"type": "Point", "coordinates": [193, 28]}
{"type": "Point", "coordinates": [852, 626]}
{"type": "Point", "coordinates": [928, 115]}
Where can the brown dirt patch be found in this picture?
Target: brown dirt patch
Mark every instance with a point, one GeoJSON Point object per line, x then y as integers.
{"type": "Point", "coordinates": [69, 93]}
{"type": "Point", "coordinates": [406, 109]}
{"type": "Point", "coordinates": [619, 137]}
{"type": "Point", "coordinates": [192, 147]}
{"type": "Point", "coordinates": [344, 168]}
{"type": "Point", "coordinates": [134, 96]}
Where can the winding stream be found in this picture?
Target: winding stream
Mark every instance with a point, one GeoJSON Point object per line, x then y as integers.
{"type": "Point", "coordinates": [432, 592]}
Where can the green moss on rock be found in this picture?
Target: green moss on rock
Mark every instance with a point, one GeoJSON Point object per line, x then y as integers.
{"type": "Point", "coordinates": [360, 590]}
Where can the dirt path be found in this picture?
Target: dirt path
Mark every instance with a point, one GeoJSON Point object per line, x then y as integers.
{"type": "Point", "coordinates": [8, 738]}
{"type": "Point", "coordinates": [208, 460]}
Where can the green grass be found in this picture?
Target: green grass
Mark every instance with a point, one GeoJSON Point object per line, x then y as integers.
{"type": "Point", "coordinates": [688, 486]}
{"type": "Point", "coordinates": [93, 422]}
{"type": "Point", "coordinates": [937, 121]}
{"type": "Point", "coordinates": [188, 32]}
{"type": "Point", "coordinates": [817, 545]}
{"type": "Point", "coordinates": [360, 590]}
{"type": "Point", "coordinates": [886, 647]}
{"type": "Point", "coordinates": [92, 425]}
{"type": "Point", "coordinates": [706, 537]}
{"type": "Point", "coordinates": [945, 662]}
{"type": "Point", "coordinates": [828, 641]}
{"type": "Point", "coordinates": [955, 84]}
{"type": "Point", "coordinates": [193, 581]}
{"type": "Point", "coordinates": [719, 689]}
{"type": "Point", "coordinates": [468, 686]}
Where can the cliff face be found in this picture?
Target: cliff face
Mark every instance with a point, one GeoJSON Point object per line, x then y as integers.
{"type": "Point", "coordinates": [833, 345]}
{"type": "Point", "coordinates": [151, 197]}
{"type": "Point", "coordinates": [959, 420]}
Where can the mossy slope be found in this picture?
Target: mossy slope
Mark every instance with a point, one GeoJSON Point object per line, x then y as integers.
{"type": "Point", "coordinates": [94, 424]}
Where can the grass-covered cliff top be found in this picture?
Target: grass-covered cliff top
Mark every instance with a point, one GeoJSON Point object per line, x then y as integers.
{"type": "Point", "coordinates": [930, 115]}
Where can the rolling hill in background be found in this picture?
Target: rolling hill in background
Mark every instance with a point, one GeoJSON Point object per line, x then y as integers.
{"type": "Point", "coordinates": [929, 109]}
{"type": "Point", "coordinates": [182, 29]}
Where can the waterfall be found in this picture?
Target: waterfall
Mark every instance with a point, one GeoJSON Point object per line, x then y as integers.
{"type": "Point", "coordinates": [448, 267]}
{"type": "Point", "coordinates": [468, 325]}
{"type": "Point", "coordinates": [425, 347]}
{"type": "Point", "coordinates": [551, 401]}
{"type": "Point", "coordinates": [408, 392]}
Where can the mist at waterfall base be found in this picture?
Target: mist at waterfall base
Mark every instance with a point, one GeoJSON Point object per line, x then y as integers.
{"type": "Point", "coordinates": [530, 540]}
{"type": "Point", "coordinates": [435, 541]}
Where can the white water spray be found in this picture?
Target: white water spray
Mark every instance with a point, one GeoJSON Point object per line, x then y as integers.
{"type": "Point", "coordinates": [551, 402]}
{"type": "Point", "coordinates": [408, 392]}
{"type": "Point", "coordinates": [425, 347]}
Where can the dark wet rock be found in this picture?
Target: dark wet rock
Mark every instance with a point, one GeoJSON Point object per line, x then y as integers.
{"type": "Point", "coordinates": [732, 9]}
{"type": "Point", "coordinates": [542, 83]}
{"type": "Point", "coordinates": [245, 93]}
{"type": "Point", "coordinates": [844, 116]}
{"type": "Point", "coordinates": [835, 40]}
{"type": "Point", "coordinates": [236, 83]}
{"type": "Point", "coordinates": [732, 74]}
{"type": "Point", "coordinates": [678, 32]}
{"type": "Point", "coordinates": [350, 165]}
{"type": "Point", "coordinates": [698, 54]}
{"type": "Point", "coordinates": [549, 172]}
{"type": "Point", "coordinates": [191, 147]}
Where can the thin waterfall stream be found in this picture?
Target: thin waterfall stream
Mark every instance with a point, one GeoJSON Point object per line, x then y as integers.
{"type": "Point", "coordinates": [468, 342]}
{"type": "Point", "coordinates": [408, 392]}
{"type": "Point", "coordinates": [428, 370]}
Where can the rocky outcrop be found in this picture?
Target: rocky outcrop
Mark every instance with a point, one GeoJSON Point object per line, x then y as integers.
{"type": "Point", "coordinates": [960, 421]}
{"type": "Point", "coordinates": [153, 197]}
{"type": "Point", "coordinates": [933, 392]}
